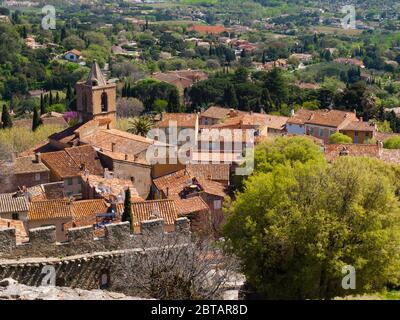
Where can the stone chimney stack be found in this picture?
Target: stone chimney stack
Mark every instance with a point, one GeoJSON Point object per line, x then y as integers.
{"type": "Point", "coordinates": [112, 147]}
{"type": "Point", "coordinates": [38, 157]}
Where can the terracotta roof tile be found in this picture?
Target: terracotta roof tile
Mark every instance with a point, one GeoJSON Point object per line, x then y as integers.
{"type": "Point", "coordinates": [61, 163]}
{"type": "Point", "coordinates": [87, 156]}
{"type": "Point", "coordinates": [332, 151]}
{"type": "Point", "coordinates": [13, 202]}
{"type": "Point", "coordinates": [183, 120]}
{"type": "Point", "coordinates": [215, 112]}
{"type": "Point", "coordinates": [27, 165]}
{"type": "Point", "coordinates": [210, 171]}
{"type": "Point", "coordinates": [88, 208]}
{"type": "Point", "coordinates": [191, 205]}
{"type": "Point", "coordinates": [359, 126]}
{"type": "Point", "coordinates": [155, 209]}
{"type": "Point", "coordinates": [49, 209]}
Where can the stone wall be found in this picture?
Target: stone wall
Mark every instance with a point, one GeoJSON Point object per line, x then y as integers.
{"type": "Point", "coordinates": [83, 261]}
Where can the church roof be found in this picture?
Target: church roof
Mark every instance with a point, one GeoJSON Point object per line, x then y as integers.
{"type": "Point", "coordinates": [96, 76]}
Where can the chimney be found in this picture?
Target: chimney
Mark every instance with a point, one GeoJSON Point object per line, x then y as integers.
{"type": "Point", "coordinates": [126, 157]}
{"type": "Point", "coordinates": [167, 191]}
{"type": "Point", "coordinates": [38, 157]}
{"type": "Point", "coordinates": [292, 112]}
{"type": "Point", "coordinates": [112, 147]}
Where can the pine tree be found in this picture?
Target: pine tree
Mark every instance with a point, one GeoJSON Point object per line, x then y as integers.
{"type": "Point", "coordinates": [42, 105]}
{"type": "Point", "coordinates": [127, 214]}
{"type": "Point", "coordinates": [36, 121]}
{"type": "Point", "coordinates": [6, 118]}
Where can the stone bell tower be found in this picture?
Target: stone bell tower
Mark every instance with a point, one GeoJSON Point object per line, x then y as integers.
{"type": "Point", "coordinates": [95, 98]}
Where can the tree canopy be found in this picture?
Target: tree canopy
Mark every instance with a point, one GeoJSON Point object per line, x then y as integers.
{"type": "Point", "coordinates": [299, 221]}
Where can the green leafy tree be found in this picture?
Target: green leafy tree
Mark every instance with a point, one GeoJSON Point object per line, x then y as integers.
{"type": "Point", "coordinates": [6, 118]}
{"type": "Point", "coordinates": [392, 143]}
{"type": "Point", "coordinates": [338, 138]}
{"type": "Point", "coordinates": [36, 121]}
{"type": "Point", "coordinates": [140, 126]}
{"type": "Point", "coordinates": [295, 227]}
{"type": "Point", "coordinates": [127, 214]}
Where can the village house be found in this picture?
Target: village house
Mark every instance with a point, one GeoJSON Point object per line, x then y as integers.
{"type": "Point", "coordinates": [64, 214]}
{"type": "Point", "coordinates": [63, 168]}
{"type": "Point", "coordinates": [182, 185]}
{"type": "Point", "coordinates": [73, 55]}
{"type": "Point", "coordinates": [14, 206]}
{"type": "Point", "coordinates": [354, 62]}
{"type": "Point", "coordinates": [182, 79]}
{"type": "Point", "coordinates": [154, 209]}
{"type": "Point", "coordinates": [302, 57]}
{"type": "Point", "coordinates": [25, 171]}
{"type": "Point", "coordinates": [323, 123]}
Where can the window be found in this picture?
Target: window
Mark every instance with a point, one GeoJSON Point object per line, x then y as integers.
{"type": "Point", "coordinates": [70, 181]}
{"type": "Point", "coordinates": [84, 102]}
{"type": "Point", "coordinates": [104, 279]}
{"type": "Point", "coordinates": [104, 102]}
{"type": "Point", "coordinates": [15, 216]}
{"type": "Point", "coordinates": [37, 176]}
{"type": "Point", "coordinates": [320, 132]}
{"type": "Point", "coordinates": [312, 131]}
{"type": "Point", "coordinates": [217, 204]}
{"type": "Point", "coordinates": [356, 133]}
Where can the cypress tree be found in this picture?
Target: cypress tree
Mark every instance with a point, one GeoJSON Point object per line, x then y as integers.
{"type": "Point", "coordinates": [6, 118]}
{"type": "Point", "coordinates": [127, 214]}
{"type": "Point", "coordinates": [173, 101]}
{"type": "Point", "coordinates": [42, 105]}
{"type": "Point", "coordinates": [230, 98]}
{"type": "Point", "coordinates": [50, 98]}
{"type": "Point", "coordinates": [68, 96]}
{"type": "Point", "coordinates": [57, 97]}
{"type": "Point", "coordinates": [36, 121]}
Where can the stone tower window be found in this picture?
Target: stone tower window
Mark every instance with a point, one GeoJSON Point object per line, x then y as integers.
{"type": "Point", "coordinates": [104, 102]}
{"type": "Point", "coordinates": [84, 102]}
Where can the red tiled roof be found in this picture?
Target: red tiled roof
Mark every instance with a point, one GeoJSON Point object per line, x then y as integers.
{"type": "Point", "coordinates": [87, 156]}
{"type": "Point", "coordinates": [49, 209]}
{"type": "Point", "coordinates": [332, 151]}
{"type": "Point", "coordinates": [61, 163]}
{"type": "Point", "coordinates": [155, 209]}
{"type": "Point", "coordinates": [328, 118]}
{"type": "Point", "coordinates": [88, 208]}
{"type": "Point", "coordinates": [183, 120]}
{"type": "Point", "coordinates": [210, 171]}
{"type": "Point", "coordinates": [191, 205]}
{"type": "Point", "coordinates": [359, 126]}
{"type": "Point", "coordinates": [215, 112]}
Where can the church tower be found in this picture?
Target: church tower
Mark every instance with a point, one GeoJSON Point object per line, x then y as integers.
{"type": "Point", "coordinates": [95, 98]}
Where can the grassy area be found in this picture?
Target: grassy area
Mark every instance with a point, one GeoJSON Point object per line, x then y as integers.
{"type": "Point", "coordinates": [18, 139]}
{"type": "Point", "coordinates": [123, 124]}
